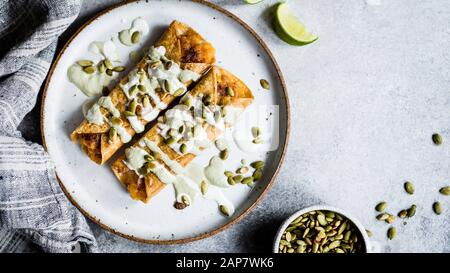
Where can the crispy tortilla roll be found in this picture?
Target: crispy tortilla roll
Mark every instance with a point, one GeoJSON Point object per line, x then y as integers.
{"type": "Point", "coordinates": [177, 60]}
{"type": "Point", "coordinates": [182, 133]}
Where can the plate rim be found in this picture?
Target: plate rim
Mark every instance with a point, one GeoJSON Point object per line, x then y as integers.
{"type": "Point", "coordinates": [226, 225]}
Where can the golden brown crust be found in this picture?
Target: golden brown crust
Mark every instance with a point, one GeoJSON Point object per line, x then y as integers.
{"type": "Point", "coordinates": [100, 152]}
{"type": "Point", "coordinates": [209, 84]}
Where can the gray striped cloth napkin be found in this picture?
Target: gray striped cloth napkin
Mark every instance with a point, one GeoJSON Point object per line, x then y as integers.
{"type": "Point", "coordinates": [32, 205]}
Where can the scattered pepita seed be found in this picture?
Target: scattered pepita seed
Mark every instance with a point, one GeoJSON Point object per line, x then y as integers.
{"type": "Point", "coordinates": [185, 200]}
{"type": "Point", "coordinates": [133, 90]}
{"type": "Point", "coordinates": [135, 37]}
{"type": "Point", "coordinates": [369, 233]}
{"type": "Point", "coordinates": [204, 187]}
{"type": "Point", "coordinates": [132, 106]}
{"type": "Point", "coordinates": [89, 69]}
{"type": "Point", "coordinates": [167, 86]}
{"type": "Point", "coordinates": [119, 69]}
{"type": "Point", "coordinates": [437, 139]}
{"type": "Point", "coordinates": [391, 233]}
{"type": "Point", "coordinates": [411, 211]}
{"type": "Point", "coordinates": [257, 174]}
{"type": "Point", "coordinates": [183, 148]}
{"type": "Point", "coordinates": [381, 206]}
{"type": "Point", "coordinates": [112, 134]}
{"type": "Point", "coordinates": [101, 67]}
{"type": "Point", "coordinates": [247, 180]}
{"type": "Point", "coordinates": [228, 173]}
{"type": "Point", "coordinates": [108, 64]}
{"type": "Point", "coordinates": [231, 181]}
{"type": "Point", "coordinates": [178, 92]}
{"type": "Point", "coordinates": [264, 84]}
{"type": "Point", "coordinates": [229, 91]}
{"type": "Point", "coordinates": [390, 219]}
{"type": "Point", "coordinates": [409, 187]}
{"type": "Point", "coordinates": [238, 178]}
{"type": "Point", "coordinates": [128, 113]}
{"type": "Point", "coordinates": [445, 190]}
{"type": "Point", "coordinates": [437, 208]}
{"type": "Point", "coordinates": [170, 141]}
{"type": "Point", "coordinates": [403, 213]}
{"type": "Point", "coordinates": [256, 140]}
{"type": "Point", "coordinates": [109, 72]}
{"type": "Point", "coordinates": [257, 164]}
{"type": "Point", "coordinates": [224, 154]}
{"type": "Point", "coordinates": [116, 121]}
{"type": "Point", "coordinates": [382, 216]}
{"type": "Point", "coordinates": [85, 63]}
{"type": "Point", "coordinates": [224, 210]}
{"type": "Point", "coordinates": [256, 131]}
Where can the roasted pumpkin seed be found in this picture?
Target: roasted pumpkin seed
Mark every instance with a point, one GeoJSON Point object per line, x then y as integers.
{"type": "Point", "coordinates": [381, 206]}
{"type": "Point", "coordinates": [228, 173]}
{"type": "Point", "coordinates": [224, 210]}
{"type": "Point", "coordinates": [119, 69]}
{"type": "Point", "coordinates": [89, 69]}
{"type": "Point", "coordinates": [247, 180]}
{"type": "Point", "coordinates": [170, 141]}
{"type": "Point", "coordinates": [136, 37]}
{"type": "Point", "coordinates": [204, 187]}
{"type": "Point", "coordinates": [391, 233]}
{"type": "Point", "coordinates": [409, 187]}
{"type": "Point", "coordinates": [445, 190]}
{"type": "Point", "coordinates": [257, 164]}
{"type": "Point", "coordinates": [229, 91]}
{"type": "Point", "coordinates": [411, 211]}
{"type": "Point", "coordinates": [264, 84]}
{"type": "Point", "coordinates": [437, 139]}
{"type": "Point", "coordinates": [224, 154]}
{"type": "Point", "coordinates": [84, 63]}
{"type": "Point", "coordinates": [108, 64]}
{"type": "Point", "coordinates": [437, 208]}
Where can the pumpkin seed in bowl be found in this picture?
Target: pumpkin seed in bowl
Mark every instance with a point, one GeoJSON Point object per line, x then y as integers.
{"type": "Point", "coordinates": [321, 231]}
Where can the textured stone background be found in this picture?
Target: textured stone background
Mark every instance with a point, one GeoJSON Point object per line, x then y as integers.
{"type": "Point", "coordinates": [366, 98]}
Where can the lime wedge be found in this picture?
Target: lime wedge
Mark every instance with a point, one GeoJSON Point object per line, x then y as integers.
{"type": "Point", "coordinates": [290, 29]}
{"type": "Point", "coordinates": [252, 1]}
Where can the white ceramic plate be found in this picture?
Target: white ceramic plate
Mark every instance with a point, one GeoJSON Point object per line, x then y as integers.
{"type": "Point", "coordinates": [95, 190]}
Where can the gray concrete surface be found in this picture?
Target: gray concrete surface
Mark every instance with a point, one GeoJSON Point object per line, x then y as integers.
{"type": "Point", "coordinates": [365, 98]}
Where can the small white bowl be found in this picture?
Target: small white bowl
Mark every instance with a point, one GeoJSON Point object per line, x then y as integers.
{"type": "Point", "coordinates": [367, 244]}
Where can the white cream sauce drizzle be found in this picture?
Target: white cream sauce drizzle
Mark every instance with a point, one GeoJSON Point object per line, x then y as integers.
{"type": "Point", "coordinates": [244, 141]}
{"type": "Point", "coordinates": [214, 172]}
{"type": "Point", "coordinates": [89, 84]}
{"type": "Point", "coordinates": [122, 132]}
{"type": "Point", "coordinates": [194, 135]}
{"type": "Point", "coordinates": [92, 84]}
{"type": "Point", "coordinates": [196, 173]}
{"type": "Point", "coordinates": [136, 124]}
{"type": "Point", "coordinates": [107, 49]}
{"type": "Point", "coordinates": [232, 114]}
{"type": "Point", "coordinates": [186, 181]}
{"type": "Point", "coordinates": [174, 75]}
{"type": "Point", "coordinates": [138, 24]}
{"type": "Point", "coordinates": [135, 158]}
{"type": "Point", "coordinates": [107, 103]}
{"type": "Point", "coordinates": [153, 79]}
{"type": "Point", "coordinates": [87, 105]}
{"type": "Point", "coordinates": [94, 115]}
